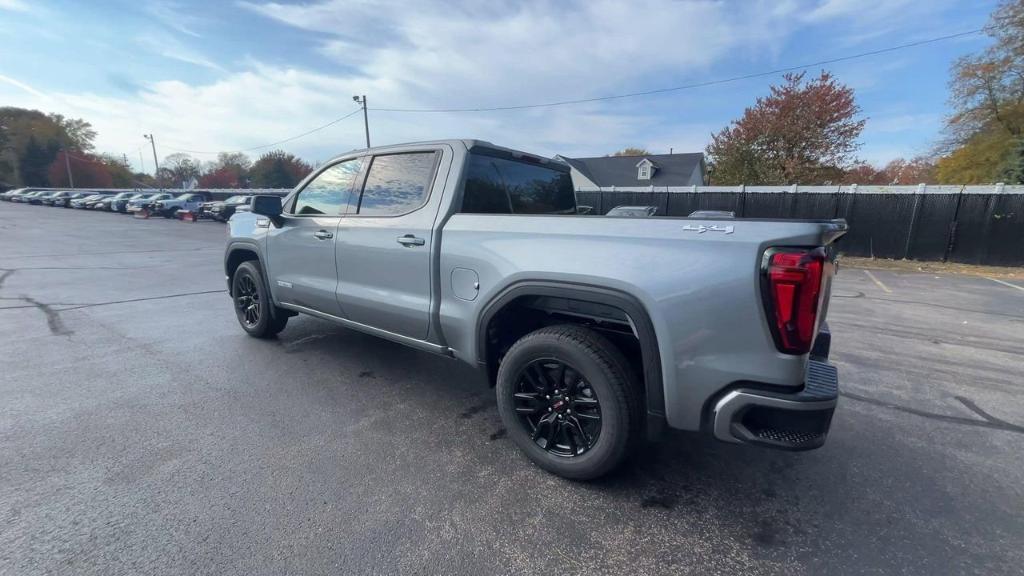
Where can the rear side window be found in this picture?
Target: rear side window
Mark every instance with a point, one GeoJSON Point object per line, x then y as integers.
{"type": "Point", "coordinates": [397, 184]}
{"type": "Point", "coordinates": [328, 192]}
{"type": "Point", "coordinates": [504, 186]}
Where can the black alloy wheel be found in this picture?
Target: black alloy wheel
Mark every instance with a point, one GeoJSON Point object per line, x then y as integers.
{"type": "Point", "coordinates": [568, 398]}
{"type": "Point", "coordinates": [247, 301]}
{"type": "Point", "coordinates": [558, 407]}
{"type": "Point", "coordinates": [254, 307]}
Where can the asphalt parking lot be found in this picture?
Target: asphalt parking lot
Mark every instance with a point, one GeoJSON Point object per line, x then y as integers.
{"type": "Point", "coordinates": [141, 432]}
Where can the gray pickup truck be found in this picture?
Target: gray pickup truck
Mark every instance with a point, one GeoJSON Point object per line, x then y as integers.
{"type": "Point", "coordinates": [597, 332]}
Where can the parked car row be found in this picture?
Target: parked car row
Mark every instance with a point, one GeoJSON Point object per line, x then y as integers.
{"type": "Point", "coordinates": [157, 203]}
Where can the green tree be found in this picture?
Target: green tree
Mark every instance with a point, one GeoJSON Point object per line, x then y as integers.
{"type": "Point", "coordinates": [801, 133]}
{"type": "Point", "coordinates": [79, 134]}
{"type": "Point", "coordinates": [34, 163]}
{"type": "Point", "coordinates": [21, 126]}
{"type": "Point", "coordinates": [121, 176]}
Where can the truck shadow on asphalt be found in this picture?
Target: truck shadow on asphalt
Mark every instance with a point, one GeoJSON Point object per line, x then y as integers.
{"type": "Point", "coordinates": [844, 500]}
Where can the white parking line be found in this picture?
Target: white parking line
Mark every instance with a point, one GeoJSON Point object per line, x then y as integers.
{"type": "Point", "coordinates": [1005, 283]}
{"type": "Point", "coordinates": [877, 281]}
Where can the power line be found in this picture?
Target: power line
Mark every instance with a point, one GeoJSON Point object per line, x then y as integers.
{"type": "Point", "coordinates": [696, 84]}
{"type": "Point", "coordinates": [272, 144]}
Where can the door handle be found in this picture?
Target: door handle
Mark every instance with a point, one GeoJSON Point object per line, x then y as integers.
{"type": "Point", "coordinates": [323, 234]}
{"type": "Point", "coordinates": [410, 240]}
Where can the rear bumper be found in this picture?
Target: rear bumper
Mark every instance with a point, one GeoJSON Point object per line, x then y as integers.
{"type": "Point", "coordinates": [784, 421]}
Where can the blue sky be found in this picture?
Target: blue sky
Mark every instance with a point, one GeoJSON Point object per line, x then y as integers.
{"type": "Point", "coordinates": [228, 75]}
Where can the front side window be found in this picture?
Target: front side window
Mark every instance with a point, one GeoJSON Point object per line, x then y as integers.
{"type": "Point", "coordinates": [505, 186]}
{"type": "Point", "coordinates": [328, 192]}
{"type": "Point", "coordinates": [397, 184]}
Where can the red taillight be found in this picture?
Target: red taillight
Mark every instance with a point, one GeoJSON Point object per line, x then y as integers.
{"type": "Point", "coordinates": [794, 289]}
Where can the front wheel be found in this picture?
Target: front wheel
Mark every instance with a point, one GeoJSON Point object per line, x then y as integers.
{"type": "Point", "coordinates": [255, 311]}
{"type": "Point", "coordinates": [567, 398]}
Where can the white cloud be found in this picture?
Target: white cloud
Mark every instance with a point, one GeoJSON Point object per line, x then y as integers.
{"type": "Point", "coordinates": [168, 46]}
{"type": "Point", "coordinates": [172, 16]}
{"type": "Point", "coordinates": [14, 5]}
{"type": "Point", "coordinates": [433, 54]}
{"type": "Point", "coordinates": [21, 85]}
{"type": "Point", "coordinates": [903, 123]}
{"type": "Point", "coordinates": [443, 54]}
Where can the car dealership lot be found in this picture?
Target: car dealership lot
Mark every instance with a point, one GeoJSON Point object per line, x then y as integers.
{"type": "Point", "coordinates": [141, 431]}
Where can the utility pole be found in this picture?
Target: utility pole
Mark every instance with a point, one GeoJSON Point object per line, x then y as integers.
{"type": "Point", "coordinates": [125, 156]}
{"type": "Point", "coordinates": [156, 163]}
{"type": "Point", "coordinates": [142, 165]}
{"type": "Point", "coordinates": [366, 119]}
{"type": "Point", "coordinates": [67, 164]}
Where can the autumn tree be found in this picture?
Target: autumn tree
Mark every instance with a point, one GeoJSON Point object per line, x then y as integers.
{"type": "Point", "coordinates": [278, 169]}
{"type": "Point", "coordinates": [229, 170]}
{"type": "Point", "coordinates": [632, 151]}
{"type": "Point", "coordinates": [178, 169]}
{"type": "Point", "coordinates": [88, 171]}
{"type": "Point", "coordinates": [984, 133]}
{"type": "Point", "coordinates": [802, 132]}
{"type": "Point", "coordinates": [983, 159]}
{"type": "Point", "coordinates": [897, 172]}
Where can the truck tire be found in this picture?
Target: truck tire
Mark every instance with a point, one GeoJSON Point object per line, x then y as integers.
{"type": "Point", "coordinates": [567, 398]}
{"type": "Point", "coordinates": [253, 306]}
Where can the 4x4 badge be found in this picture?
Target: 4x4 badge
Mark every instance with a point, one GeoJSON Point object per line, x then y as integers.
{"type": "Point", "coordinates": [702, 229]}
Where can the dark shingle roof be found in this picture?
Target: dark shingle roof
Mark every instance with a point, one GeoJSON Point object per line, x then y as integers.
{"type": "Point", "coordinates": [671, 169]}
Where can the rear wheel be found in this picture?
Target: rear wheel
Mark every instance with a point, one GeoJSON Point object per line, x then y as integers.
{"type": "Point", "coordinates": [255, 311]}
{"type": "Point", "coordinates": [567, 398]}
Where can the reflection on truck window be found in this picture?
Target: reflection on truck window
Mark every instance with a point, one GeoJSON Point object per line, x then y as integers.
{"type": "Point", "coordinates": [505, 186]}
{"type": "Point", "coordinates": [328, 192]}
{"type": "Point", "coordinates": [397, 184]}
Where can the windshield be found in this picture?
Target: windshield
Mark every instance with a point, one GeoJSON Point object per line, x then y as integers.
{"type": "Point", "coordinates": [236, 200]}
{"type": "Point", "coordinates": [183, 197]}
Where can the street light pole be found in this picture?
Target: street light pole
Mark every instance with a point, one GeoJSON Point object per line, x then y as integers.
{"type": "Point", "coordinates": [156, 164]}
{"type": "Point", "coordinates": [366, 119]}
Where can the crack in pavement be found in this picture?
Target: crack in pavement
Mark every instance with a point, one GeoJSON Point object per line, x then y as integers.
{"type": "Point", "coordinates": [70, 306]}
{"type": "Point", "coordinates": [107, 253]}
{"type": "Point", "coordinates": [66, 306]}
{"type": "Point", "coordinates": [989, 421]}
{"type": "Point", "coordinates": [53, 320]}
{"type": "Point", "coordinates": [82, 267]}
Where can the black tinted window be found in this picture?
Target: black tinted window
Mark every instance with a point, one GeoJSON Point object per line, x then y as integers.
{"type": "Point", "coordinates": [328, 192]}
{"type": "Point", "coordinates": [397, 184]}
{"type": "Point", "coordinates": [502, 186]}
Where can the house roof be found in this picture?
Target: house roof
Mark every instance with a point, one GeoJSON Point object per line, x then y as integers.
{"type": "Point", "coordinates": [672, 169]}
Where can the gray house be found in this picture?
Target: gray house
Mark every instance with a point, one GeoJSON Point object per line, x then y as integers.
{"type": "Point", "coordinates": [638, 171]}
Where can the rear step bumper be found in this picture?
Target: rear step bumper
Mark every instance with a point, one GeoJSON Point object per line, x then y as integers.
{"type": "Point", "coordinates": [784, 421]}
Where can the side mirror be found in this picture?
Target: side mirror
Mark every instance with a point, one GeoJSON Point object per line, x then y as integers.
{"type": "Point", "coordinates": [266, 205]}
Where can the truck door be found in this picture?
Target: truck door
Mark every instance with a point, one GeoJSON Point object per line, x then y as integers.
{"type": "Point", "coordinates": [301, 250]}
{"type": "Point", "coordinates": [384, 242]}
